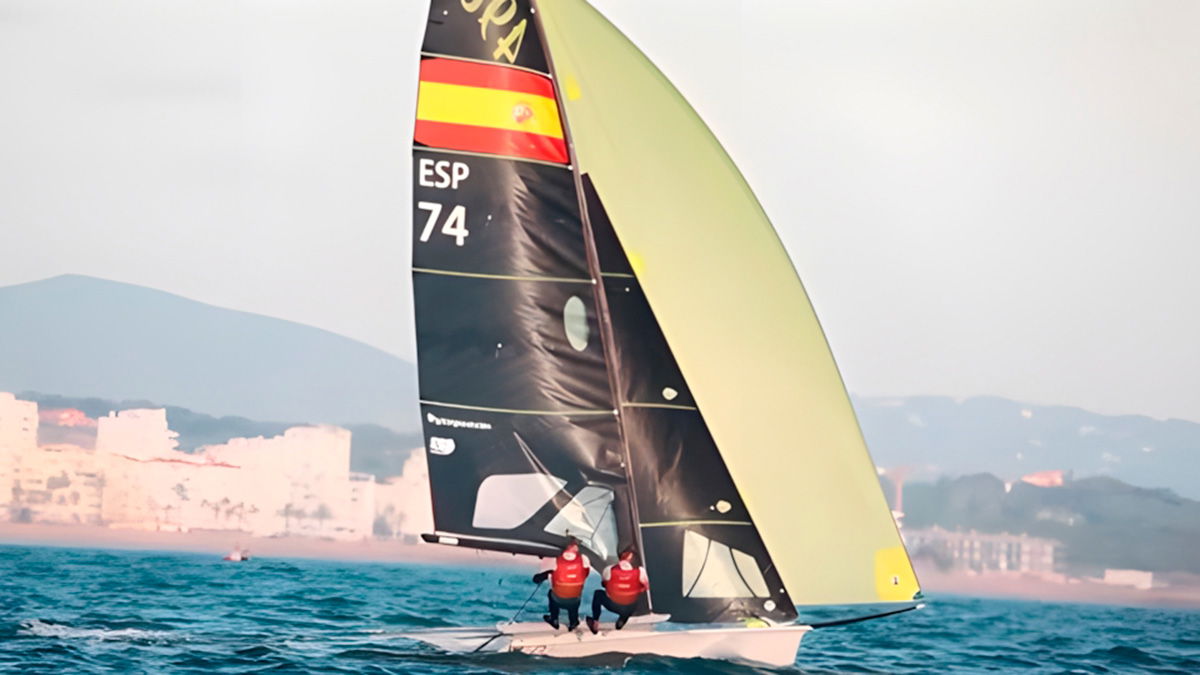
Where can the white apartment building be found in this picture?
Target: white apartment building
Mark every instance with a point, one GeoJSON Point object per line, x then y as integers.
{"type": "Point", "coordinates": [18, 436]}
{"type": "Point", "coordinates": [985, 552]}
{"type": "Point", "coordinates": [296, 483]}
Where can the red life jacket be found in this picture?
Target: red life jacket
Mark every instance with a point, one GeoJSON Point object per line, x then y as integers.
{"type": "Point", "coordinates": [624, 585]}
{"type": "Point", "coordinates": [566, 581]}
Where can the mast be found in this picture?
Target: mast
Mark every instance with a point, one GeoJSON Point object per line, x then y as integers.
{"type": "Point", "coordinates": [604, 316]}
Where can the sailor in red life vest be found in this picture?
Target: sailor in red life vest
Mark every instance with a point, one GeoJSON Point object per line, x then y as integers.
{"type": "Point", "coordinates": [624, 584]}
{"type": "Point", "coordinates": [570, 569]}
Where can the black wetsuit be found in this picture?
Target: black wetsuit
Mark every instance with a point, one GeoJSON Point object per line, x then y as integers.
{"type": "Point", "coordinates": [557, 604]}
{"type": "Point", "coordinates": [569, 604]}
{"type": "Point", "coordinates": [601, 599]}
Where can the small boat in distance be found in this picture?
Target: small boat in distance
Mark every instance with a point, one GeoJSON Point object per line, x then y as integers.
{"type": "Point", "coordinates": [614, 347]}
{"type": "Point", "coordinates": [238, 554]}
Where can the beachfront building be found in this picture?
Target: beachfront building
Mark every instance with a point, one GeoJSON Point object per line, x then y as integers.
{"type": "Point", "coordinates": [300, 483]}
{"type": "Point", "coordinates": [59, 483]}
{"type": "Point", "coordinates": [402, 503]}
{"type": "Point", "coordinates": [18, 436]}
{"type": "Point", "coordinates": [1139, 579]}
{"type": "Point", "coordinates": [296, 483]}
{"type": "Point", "coordinates": [140, 434]}
{"type": "Point", "coordinates": [981, 552]}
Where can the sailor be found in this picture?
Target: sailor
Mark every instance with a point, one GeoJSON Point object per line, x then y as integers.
{"type": "Point", "coordinates": [624, 584]}
{"type": "Point", "coordinates": [569, 571]}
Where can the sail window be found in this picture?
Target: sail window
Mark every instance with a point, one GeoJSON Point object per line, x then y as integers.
{"type": "Point", "coordinates": [589, 518]}
{"type": "Point", "coordinates": [575, 323]}
{"type": "Point", "coordinates": [714, 570]}
{"type": "Point", "coordinates": [504, 501]}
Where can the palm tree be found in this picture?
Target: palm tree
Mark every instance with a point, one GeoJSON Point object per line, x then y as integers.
{"type": "Point", "coordinates": [321, 514]}
{"type": "Point", "coordinates": [287, 512]}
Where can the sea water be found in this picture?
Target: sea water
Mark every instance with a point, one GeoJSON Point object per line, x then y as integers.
{"type": "Point", "coordinates": [73, 610]}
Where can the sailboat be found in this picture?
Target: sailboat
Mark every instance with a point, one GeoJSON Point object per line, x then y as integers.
{"type": "Point", "coordinates": [613, 346]}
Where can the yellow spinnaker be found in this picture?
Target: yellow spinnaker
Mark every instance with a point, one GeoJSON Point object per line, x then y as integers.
{"type": "Point", "coordinates": [735, 315]}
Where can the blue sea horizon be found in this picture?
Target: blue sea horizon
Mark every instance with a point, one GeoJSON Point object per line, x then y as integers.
{"type": "Point", "coordinates": [91, 610]}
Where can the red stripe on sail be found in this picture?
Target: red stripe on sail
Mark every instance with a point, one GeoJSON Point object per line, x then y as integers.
{"type": "Point", "coordinates": [470, 74]}
{"type": "Point", "coordinates": [491, 140]}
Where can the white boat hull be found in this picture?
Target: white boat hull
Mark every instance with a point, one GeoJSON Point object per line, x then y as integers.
{"type": "Point", "coordinates": [771, 645]}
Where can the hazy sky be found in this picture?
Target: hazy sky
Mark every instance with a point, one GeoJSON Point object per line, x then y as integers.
{"type": "Point", "coordinates": [981, 197]}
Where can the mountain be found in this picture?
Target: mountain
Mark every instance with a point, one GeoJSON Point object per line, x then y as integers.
{"type": "Point", "coordinates": [1101, 522]}
{"type": "Point", "coordinates": [80, 336]}
{"type": "Point", "coordinates": [85, 337]}
{"type": "Point", "coordinates": [938, 435]}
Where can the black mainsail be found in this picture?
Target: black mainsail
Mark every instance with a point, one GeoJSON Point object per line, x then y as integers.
{"type": "Point", "coordinates": [522, 440]}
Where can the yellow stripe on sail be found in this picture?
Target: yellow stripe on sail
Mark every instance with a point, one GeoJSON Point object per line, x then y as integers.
{"type": "Point", "coordinates": [482, 107]}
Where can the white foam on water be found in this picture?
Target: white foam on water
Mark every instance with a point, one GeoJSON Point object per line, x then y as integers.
{"type": "Point", "coordinates": [39, 628]}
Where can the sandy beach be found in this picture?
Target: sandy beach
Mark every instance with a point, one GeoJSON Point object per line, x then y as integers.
{"type": "Point", "coordinates": [218, 542]}
{"type": "Point", "coordinates": [1184, 593]}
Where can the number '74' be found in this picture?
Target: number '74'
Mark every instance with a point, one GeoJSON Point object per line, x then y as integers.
{"type": "Point", "coordinates": [455, 225]}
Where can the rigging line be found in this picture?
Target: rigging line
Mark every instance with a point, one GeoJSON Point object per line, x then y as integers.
{"type": "Point", "coordinates": [501, 277]}
{"type": "Point", "coordinates": [559, 503]}
{"type": "Point", "coordinates": [533, 459]}
{"type": "Point", "coordinates": [617, 275]}
{"type": "Point", "coordinates": [489, 155]}
{"type": "Point", "coordinates": [858, 619]}
{"type": "Point", "coordinates": [675, 523]}
{"type": "Point", "coordinates": [526, 603]}
{"type": "Point", "coordinates": [665, 406]}
{"type": "Point", "coordinates": [517, 411]}
{"type": "Point", "coordinates": [489, 640]}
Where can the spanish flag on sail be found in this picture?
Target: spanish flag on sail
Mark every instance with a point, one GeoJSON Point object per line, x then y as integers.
{"type": "Point", "coordinates": [497, 110]}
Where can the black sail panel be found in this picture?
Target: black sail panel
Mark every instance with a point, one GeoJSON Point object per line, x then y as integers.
{"type": "Point", "coordinates": [704, 556]}
{"type": "Point", "coordinates": [521, 431]}
{"type": "Point", "coordinates": [522, 482]}
{"type": "Point", "coordinates": [499, 31]}
{"type": "Point", "coordinates": [533, 346]}
{"type": "Point", "coordinates": [518, 218]}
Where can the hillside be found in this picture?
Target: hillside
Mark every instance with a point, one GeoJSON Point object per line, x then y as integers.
{"type": "Point", "coordinates": [942, 436]}
{"type": "Point", "coordinates": [85, 337]}
{"type": "Point", "coordinates": [1101, 522]}
{"type": "Point", "coordinates": [82, 337]}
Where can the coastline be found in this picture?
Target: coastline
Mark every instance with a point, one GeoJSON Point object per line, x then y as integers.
{"type": "Point", "coordinates": [220, 542]}
{"type": "Point", "coordinates": [1016, 586]}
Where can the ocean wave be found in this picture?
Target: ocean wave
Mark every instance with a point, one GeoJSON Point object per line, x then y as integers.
{"type": "Point", "coordinates": [413, 619]}
{"type": "Point", "coordinates": [49, 629]}
{"type": "Point", "coordinates": [94, 614]}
